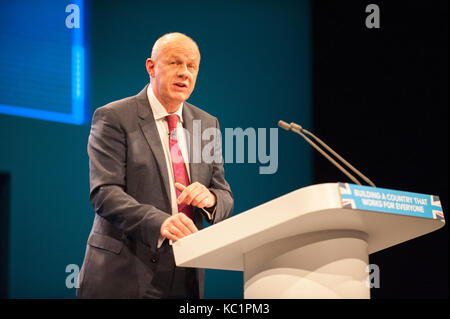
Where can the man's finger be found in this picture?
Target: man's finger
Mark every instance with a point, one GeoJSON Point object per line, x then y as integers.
{"type": "Point", "coordinates": [189, 223]}
{"type": "Point", "coordinates": [199, 198]}
{"type": "Point", "coordinates": [166, 233]}
{"type": "Point", "coordinates": [180, 186]}
{"type": "Point", "coordinates": [187, 192]}
{"type": "Point", "coordinates": [183, 228]}
{"type": "Point", "coordinates": [175, 231]}
{"type": "Point", "coordinates": [192, 194]}
{"type": "Point", "coordinates": [205, 203]}
{"type": "Point", "coordinates": [184, 192]}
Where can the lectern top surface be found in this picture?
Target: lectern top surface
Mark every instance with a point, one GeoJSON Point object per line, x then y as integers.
{"type": "Point", "coordinates": [387, 217]}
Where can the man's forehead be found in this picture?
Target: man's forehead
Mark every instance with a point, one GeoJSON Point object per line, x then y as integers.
{"type": "Point", "coordinates": [180, 44]}
{"type": "Point", "coordinates": [180, 49]}
{"type": "Point", "coordinates": [182, 55]}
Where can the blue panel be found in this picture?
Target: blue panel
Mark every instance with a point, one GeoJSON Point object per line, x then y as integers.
{"type": "Point", "coordinates": [42, 61]}
{"type": "Point", "coordinates": [390, 201]}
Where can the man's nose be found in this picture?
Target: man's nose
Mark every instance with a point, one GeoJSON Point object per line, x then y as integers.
{"type": "Point", "coordinates": [183, 71]}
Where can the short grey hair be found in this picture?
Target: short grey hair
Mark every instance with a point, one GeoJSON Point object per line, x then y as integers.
{"type": "Point", "coordinates": [166, 37]}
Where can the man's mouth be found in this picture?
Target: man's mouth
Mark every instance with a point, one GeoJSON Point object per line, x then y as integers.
{"type": "Point", "coordinates": [181, 85]}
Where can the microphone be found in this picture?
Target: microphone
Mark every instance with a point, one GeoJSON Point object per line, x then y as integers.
{"type": "Point", "coordinates": [296, 128]}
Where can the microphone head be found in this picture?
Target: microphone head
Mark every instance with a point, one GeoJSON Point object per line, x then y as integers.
{"type": "Point", "coordinates": [284, 125]}
{"type": "Point", "coordinates": [296, 126]}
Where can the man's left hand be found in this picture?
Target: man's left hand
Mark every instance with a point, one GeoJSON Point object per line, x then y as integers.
{"type": "Point", "coordinates": [196, 194]}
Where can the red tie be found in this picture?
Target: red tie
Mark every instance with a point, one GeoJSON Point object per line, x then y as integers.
{"type": "Point", "coordinates": [179, 168]}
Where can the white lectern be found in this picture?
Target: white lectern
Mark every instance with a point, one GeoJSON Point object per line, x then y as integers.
{"type": "Point", "coordinates": [313, 242]}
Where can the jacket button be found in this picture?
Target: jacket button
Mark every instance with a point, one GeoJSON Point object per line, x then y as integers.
{"type": "Point", "coordinates": [154, 259]}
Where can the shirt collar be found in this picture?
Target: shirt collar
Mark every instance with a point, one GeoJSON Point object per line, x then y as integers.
{"type": "Point", "coordinates": [159, 111]}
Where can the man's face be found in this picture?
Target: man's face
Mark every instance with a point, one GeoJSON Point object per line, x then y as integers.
{"type": "Point", "coordinates": [174, 71]}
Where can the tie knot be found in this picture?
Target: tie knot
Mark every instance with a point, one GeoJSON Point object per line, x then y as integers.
{"type": "Point", "coordinates": [172, 120]}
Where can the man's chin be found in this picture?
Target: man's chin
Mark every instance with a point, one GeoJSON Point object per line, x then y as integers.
{"type": "Point", "coordinates": [180, 97]}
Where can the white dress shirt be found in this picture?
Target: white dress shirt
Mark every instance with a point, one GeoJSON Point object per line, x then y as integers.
{"type": "Point", "coordinates": [160, 113]}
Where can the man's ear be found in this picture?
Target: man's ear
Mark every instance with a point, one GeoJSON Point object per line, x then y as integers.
{"type": "Point", "coordinates": [150, 66]}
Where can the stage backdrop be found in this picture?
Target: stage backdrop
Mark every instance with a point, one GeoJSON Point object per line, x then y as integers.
{"type": "Point", "coordinates": [255, 70]}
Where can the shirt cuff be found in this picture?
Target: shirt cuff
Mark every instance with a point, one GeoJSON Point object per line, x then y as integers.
{"type": "Point", "coordinates": [209, 215]}
{"type": "Point", "coordinates": [160, 241]}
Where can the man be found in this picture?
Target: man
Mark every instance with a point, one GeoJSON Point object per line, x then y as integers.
{"type": "Point", "coordinates": [145, 188]}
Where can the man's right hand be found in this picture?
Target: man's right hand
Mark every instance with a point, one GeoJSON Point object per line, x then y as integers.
{"type": "Point", "coordinates": [177, 227]}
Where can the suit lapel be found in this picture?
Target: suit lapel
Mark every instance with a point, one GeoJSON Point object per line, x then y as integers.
{"type": "Point", "coordinates": [150, 131]}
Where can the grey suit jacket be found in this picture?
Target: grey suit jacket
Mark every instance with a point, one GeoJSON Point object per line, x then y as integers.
{"type": "Point", "coordinates": [129, 191]}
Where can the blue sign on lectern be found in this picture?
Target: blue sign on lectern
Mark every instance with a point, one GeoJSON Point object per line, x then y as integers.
{"type": "Point", "coordinates": [390, 201]}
